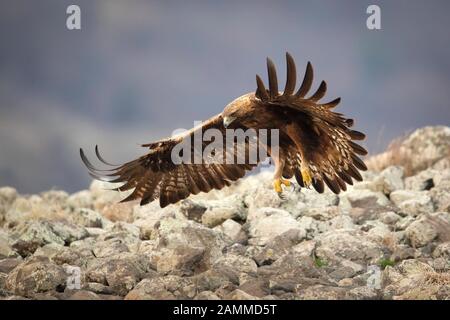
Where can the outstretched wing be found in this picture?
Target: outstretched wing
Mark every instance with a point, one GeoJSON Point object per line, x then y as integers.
{"type": "Point", "coordinates": [154, 175]}
{"type": "Point", "coordinates": [326, 136]}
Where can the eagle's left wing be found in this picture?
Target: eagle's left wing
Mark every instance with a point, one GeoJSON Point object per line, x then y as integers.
{"type": "Point", "coordinates": [154, 175]}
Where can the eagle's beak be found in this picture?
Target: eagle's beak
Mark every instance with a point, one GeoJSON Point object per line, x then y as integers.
{"type": "Point", "coordinates": [227, 121]}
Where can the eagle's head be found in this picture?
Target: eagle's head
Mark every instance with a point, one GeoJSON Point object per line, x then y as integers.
{"type": "Point", "coordinates": [239, 110]}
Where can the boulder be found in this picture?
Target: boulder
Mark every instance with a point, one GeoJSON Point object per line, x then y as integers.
{"type": "Point", "coordinates": [267, 223]}
{"type": "Point", "coordinates": [36, 275]}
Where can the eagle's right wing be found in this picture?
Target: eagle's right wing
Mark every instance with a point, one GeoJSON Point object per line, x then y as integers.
{"type": "Point", "coordinates": [154, 175]}
{"type": "Point", "coordinates": [326, 136]}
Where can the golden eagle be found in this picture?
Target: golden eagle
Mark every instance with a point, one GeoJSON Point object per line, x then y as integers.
{"type": "Point", "coordinates": [315, 145]}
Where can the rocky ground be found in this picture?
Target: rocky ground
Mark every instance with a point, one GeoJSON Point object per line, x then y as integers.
{"type": "Point", "coordinates": [385, 238]}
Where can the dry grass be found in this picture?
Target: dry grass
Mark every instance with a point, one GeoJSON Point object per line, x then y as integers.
{"type": "Point", "coordinates": [436, 278]}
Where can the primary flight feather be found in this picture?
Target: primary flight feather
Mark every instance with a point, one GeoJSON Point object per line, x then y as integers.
{"type": "Point", "coordinates": [315, 146]}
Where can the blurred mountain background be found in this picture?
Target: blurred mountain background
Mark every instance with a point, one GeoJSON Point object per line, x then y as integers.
{"type": "Point", "coordinates": [137, 70]}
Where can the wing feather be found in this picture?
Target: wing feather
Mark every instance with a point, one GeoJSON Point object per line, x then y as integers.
{"type": "Point", "coordinates": [154, 175]}
{"type": "Point", "coordinates": [323, 136]}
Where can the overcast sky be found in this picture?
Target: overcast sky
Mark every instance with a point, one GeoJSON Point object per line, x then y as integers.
{"type": "Point", "coordinates": [137, 70]}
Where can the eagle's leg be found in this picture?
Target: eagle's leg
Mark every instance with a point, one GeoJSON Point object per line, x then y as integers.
{"type": "Point", "coordinates": [294, 133]}
{"type": "Point", "coordinates": [278, 180]}
{"type": "Point", "coordinates": [306, 174]}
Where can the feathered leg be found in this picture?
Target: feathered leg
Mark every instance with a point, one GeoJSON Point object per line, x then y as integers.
{"type": "Point", "coordinates": [278, 180]}
{"type": "Point", "coordinates": [293, 133]}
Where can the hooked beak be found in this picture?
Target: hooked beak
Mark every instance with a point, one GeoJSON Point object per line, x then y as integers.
{"type": "Point", "coordinates": [227, 121]}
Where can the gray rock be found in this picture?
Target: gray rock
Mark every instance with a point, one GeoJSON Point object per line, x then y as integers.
{"type": "Point", "coordinates": [421, 232]}
{"type": "Point", "coordinates": [403, 223]}
{"type": "Point", "coordinates": [350, 245]}
{"type": "Point", "coordinates": [48, 250]}
{"type": "Point", "coordinates": [389, 217]}
{"type": "Point", "coordinates": [322, 214]}
{"type": "Point", "coordinates": [94, 232]}
{"type": "Point", "coordinates": [411, 202]}
{"type": "Point", "coordinates": [267, 223]}
{"type": "Point", "coordinates": [109, 247]}
{"type": "Point", "coordinates": [193, 210]}
{"type": "Point", "coordinates": [81, 199]}
{"type": "Point", "coordinates": [34, 276]}
{"type": "Point", "coordinates": [28, 236]}
{"type": "Point", "coordinates": [240, 295]}
{"type": "Point", "coordinates": [55, 197]}
{"type": "Point", "coordinates": [20, 210]}
{"type": "Point", "coordinates": [6, 250]}
{"type": "Point", "coordinates": [399, 196]}
{"type": "Point", "coordinates": [84, 295]}
{"type": "Point", "coordinates": [163, 288]}
{"type": "Point", "coordinates": [291, 269]}
{"type": "Point", "coordinates": [321, 292]}
{"type": "Point", "coordinates": [68, 232]}
{"type": "Point", "coordinates": [120, 272]}
{"type": "Point", "coordinates": [234, 265]}
{"type": "Point", "coordinates": [362, 293]}
{"type": "Point", "coordinates": [181, 260]}
{"type": "Point", "coordinates": [441, 251]}
{"type": "Point", "coordinates": [217, 211]}
{"type": "Point", "coordinates": [97, 288]}
{"type": "Point", "coordinates": [206, 295]}
{"type": "Point", "coordinates": [441, 196]}
{"type": "Point", "coordinates": [232, 230]}
{"type": "Point", "coordinates": [278, 246]}
{"type": "Point", "coordinates": [364, 198]}
{"type": "Point", "coordinates": [421, 181]}
{"type": "Point", "coordinates": [177, 235]}
{"type": "Point", "coordinates": [305, 248]}
{"type": "Point", "coordinates": [89, 218]}
{"type": "Point", "coordinates": [6, 265]}
{"type": "Point", "coordinates": [342, 221]}
{"type": "Point", "coordinates": [425, 146]}
{"type": "Point", "coordinates": [7, 196]}
{"type": "Point", "coordinates": [380, 233]}
{"type": "Point", "coordinates": [215, 216]}
{"type": "Point", "coordinates": [361, 215]}
{"type": "Point", "coordinates": [256, 287]}
{"type": "Point", "coordinates": [72, 256]}
{"type": "Point", "coordinates": [389, 180]}
{"type": "Point", "coordinates": [402, 252]}
{"type": "Point", "coordinates": [415, 207]}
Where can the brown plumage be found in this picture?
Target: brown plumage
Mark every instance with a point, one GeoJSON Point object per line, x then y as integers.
{"type": "Point", "coordinates": [316, 145]}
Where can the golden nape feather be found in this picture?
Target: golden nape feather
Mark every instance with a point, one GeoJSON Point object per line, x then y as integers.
{"type": "Point", "coordinates": [315, 146]}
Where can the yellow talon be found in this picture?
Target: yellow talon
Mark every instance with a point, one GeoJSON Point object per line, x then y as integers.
{"type": "Point", "coordinates": [306, 175]}
{"type": "Point", "coordinates": [277, 186]}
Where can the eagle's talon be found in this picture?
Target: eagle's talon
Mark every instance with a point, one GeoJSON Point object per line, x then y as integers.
{"type": "Point", "coordinates": [277, 185]}
{"type": "Point", "coordinates": [287, 183]}
{"type": "Point", "coordinates": [296, 187]}
{"type": "Point", "coordinates": [306, 175]}
{"type": "Point", "coordinates": [281, 196]}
